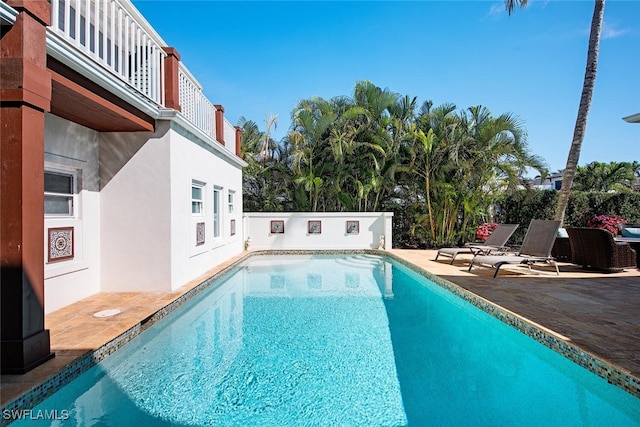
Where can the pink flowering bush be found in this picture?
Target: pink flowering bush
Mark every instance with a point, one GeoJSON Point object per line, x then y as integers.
{"type": "Point", "coordinates": [485, 230]}
{"type": "Point", "coordinates": [606, 222]}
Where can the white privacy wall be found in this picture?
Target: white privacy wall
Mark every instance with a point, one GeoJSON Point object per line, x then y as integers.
{"type": "Point", "coordinates": [333, 227]}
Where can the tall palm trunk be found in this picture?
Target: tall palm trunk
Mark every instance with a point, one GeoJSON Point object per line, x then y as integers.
{"type": "Point", "coordinates": [583, 110]}
{"type": "Point", "coordinates": [432, 225]}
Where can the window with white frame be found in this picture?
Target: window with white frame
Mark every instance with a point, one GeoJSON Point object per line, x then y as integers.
{"type": "Point", "coordinates": [59, 193]}
{"type": "Point", "coordinates": [231, 201]}
{"type": "Point", "coordinates": [197, 195]}
{"type": "Point", "coordinates": [216, 211]}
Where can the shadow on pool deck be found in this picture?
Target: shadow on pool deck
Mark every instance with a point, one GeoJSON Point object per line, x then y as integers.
{"type": "Point", "coordinates": [595, 311]}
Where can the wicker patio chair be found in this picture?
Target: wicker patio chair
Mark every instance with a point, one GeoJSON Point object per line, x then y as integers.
{"type": "Point", "coordinates": [594, 248]}
{"type": "Point", "coordinates": [561, 250]}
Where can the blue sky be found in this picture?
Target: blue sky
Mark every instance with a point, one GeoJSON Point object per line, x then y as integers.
{"type": "Point", "coordinates": [260, 58]}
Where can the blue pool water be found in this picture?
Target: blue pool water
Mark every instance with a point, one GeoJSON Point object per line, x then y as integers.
{"type": "Point", "coordinates": [350, 341]}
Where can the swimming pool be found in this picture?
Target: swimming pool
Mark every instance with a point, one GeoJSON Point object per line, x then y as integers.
{"type": "Point", "coordinates": [340, 340]}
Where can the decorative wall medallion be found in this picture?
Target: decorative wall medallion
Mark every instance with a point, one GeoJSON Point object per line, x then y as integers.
{"type": "Point", "coordinates": [353, 227]}
{"type": "Point", "coordinates": [200, 233]}
{"type": "Point", "coordinates": [233, 227]}
{"type": "Point", "coordinates": [315, 227]}
{"type": "Point", "coordinates": [277, 227]}
{"type": "Point", "coordinates": [60, 243]}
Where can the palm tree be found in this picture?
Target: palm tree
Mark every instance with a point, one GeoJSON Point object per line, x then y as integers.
{"type": "Point", "coordinates": [312, 121]}
{"type": "Point", "coordinates": [492, 155]}
{"type": "Point", "coordinates": [463, 160]}
{"type": "Point", "coordinates": [585, 101]}
{"type": "Point", "coordinates": [613, 176]}
{"type": "Point", "coordinates": [267, 177]}
{"type": "Point", "coordinates": [345, 150]}
{"type": "Point", "coordinates": [428, 156]}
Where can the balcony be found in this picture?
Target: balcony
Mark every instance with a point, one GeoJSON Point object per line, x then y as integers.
{"type": "Point", "coordinates": [112, 44]}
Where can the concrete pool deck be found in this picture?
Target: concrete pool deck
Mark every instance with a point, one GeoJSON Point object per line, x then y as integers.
{"type": "Point", "coordinates": [598, 312]}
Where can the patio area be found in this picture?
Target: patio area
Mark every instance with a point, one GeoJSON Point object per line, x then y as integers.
{"type": "Point", "coordinates": [596, 311]}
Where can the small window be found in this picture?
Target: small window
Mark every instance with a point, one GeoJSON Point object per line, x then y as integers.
{"type": "Point", "coordinates": [59, 189]}
{"type": "Point", "coordinates": [216, 211]}
{"type": "Point", "coordinates": [231, 200]}
{"type": "Point", "coordinates": [196, 198]}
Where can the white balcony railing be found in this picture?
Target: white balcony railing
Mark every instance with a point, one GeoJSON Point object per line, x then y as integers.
{"type": "Point", "coordinates": [118, 38]}
{"type": "Point", "coordinates": [229, 136]}
{"type": "Point", "coordinates": [195, 106]}
{"type": "Point", "coordinates": [113, 35]}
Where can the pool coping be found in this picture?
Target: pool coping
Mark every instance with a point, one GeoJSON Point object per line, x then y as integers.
{"type": "Point", "coordinates": [554, 341]}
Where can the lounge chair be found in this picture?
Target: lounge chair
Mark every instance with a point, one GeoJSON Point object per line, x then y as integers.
{"type": "Point", "coordinates": [496, 241]}
{"type": "Point", "coordinates": [536, 248]}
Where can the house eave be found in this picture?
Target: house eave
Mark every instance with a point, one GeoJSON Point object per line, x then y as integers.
{"type": "Point", "coordinates": [201, 138]}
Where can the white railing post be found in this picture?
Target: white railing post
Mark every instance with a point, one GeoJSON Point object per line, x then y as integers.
{"type": "Point", "coordinates": [67, 14]}
{"type": "Point", "coordinates": [160, 81]}
{"type": "Point", "coordinates": [87, 25]}
{"type": "Point", "coordinates": [76, 29]}
{"type": "Point", "coordinates": [96, 31]}
{"type": "Point", "coordinates": [112, 33]}
{"type": "Point", "coordinates": [103, 37]}
{"type": "Point", "coordinates": [55, 7]}
{"type": "Point", "coordinates": [119, 44]}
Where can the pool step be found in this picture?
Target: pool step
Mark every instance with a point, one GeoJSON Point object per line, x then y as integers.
{"type": "Point", "coordinates": [361, 261]}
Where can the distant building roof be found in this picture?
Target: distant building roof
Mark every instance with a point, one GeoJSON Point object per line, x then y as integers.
{"type": "Point", "coordinates": [634, 118]}
{"type": "Point", "coordinates": [553, 181]}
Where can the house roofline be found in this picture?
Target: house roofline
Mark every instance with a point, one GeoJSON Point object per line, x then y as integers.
{"type": "Point", "coordinates": [634, 118]}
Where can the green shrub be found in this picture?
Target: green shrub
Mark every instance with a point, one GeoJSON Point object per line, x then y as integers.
{"type": "Point", "coordinates": [524, 205]}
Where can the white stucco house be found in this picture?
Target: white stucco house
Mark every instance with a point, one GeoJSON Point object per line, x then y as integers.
{"type": "Point", "coordinates": [118, 174]}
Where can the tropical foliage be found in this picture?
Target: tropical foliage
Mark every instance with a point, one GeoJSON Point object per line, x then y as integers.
{"type": "Point", "coordinates": [267, 177]}
{"type": "Point", "coordinates": [524, 205]}
{"type": "Point", "coordinates": [438, 168]}
{"type": "Point", "coordinates": [613, 176]}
